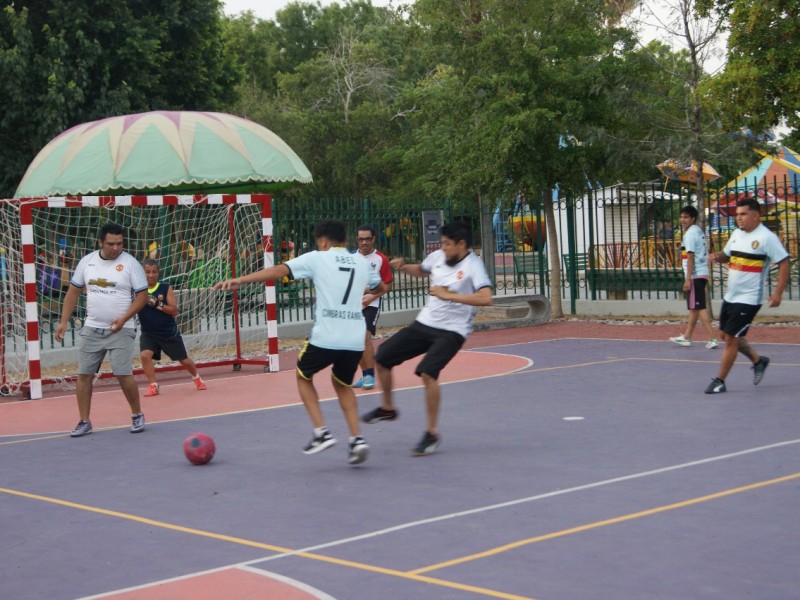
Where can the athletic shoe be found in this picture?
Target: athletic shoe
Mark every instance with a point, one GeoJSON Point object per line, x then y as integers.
{"type": "Point", "coordinates": [379, 414]}
{"type": "Point", "coordinates": [200, 384]}
{"type": "Point", "coordinates": [759, 368]}
{"type": "Point", "coordinates": [681, 341]}
{"type": "Point", "coordinates": [152, 390]}
{"type": "Point", "coordinates": [138, 423]}
{"type": "Point", "coordinates": [318, 444]}
{"type": "Point", "coordinates": [717, 386]}
{"type": "Point", "coordinates": [711, 344]}
{"type": "Point", "coordinates": [367, 382]}
{"type": "Point", "coordinates": [427, 445]}
{"type": "Point", "coordinates": [358, 451]}
{"type": "Point", "coordinates": [81, 429]}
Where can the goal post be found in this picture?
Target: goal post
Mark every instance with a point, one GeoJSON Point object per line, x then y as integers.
{"type": "Point", "coordinates": [197, 240]}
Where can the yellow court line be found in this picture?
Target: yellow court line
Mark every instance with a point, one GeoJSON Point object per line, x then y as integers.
{"type": "Point", "coordinates": [34, 439]}
{"type": "Point", "coordinates": [630, 358]}
{"type": "Point", "coordinates": [280, 549]}
{"type": "Point", "coordinates": [771, 364]}
{"type": "Point", "coordinates": [597, 524]}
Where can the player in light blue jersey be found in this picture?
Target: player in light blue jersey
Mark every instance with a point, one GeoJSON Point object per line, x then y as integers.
{"type": "Point", "coordinates": [337, 336]}
{"type": "Point", "coordinates": [694, 259]}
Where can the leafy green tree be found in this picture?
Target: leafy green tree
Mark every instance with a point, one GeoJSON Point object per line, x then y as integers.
{"type": "Point", "coordinates": [760, 85]}
{"type": "Point", "coordinates": [516, 88]}
{"type": "Point", "coordinates": [65, 62]}
{"type": "Point", "coordinates": [335, 107]}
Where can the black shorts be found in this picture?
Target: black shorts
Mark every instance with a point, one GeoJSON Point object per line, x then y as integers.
{"type": "Point", "coordinates": [696, 296]}
{"type": "Point", "coordinates": [312, 359]}
{"type": "Point", "coordinates": [735, 319]}
{"type": "Point", "coordinates": [171, 346]}
{"type": "Point", "coordinates": [438, 345]}
{"type": "Point", "coordinates": [371, 314]}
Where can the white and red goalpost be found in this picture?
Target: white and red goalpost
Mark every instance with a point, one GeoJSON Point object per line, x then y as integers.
{"type": "Point", "coordinates": [198, 241]}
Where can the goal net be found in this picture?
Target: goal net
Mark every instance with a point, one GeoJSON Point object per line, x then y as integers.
{"type": "Point", "coordinates": [197, 240]}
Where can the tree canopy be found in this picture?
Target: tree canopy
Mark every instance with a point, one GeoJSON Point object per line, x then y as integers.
{"type": "Point", "coordinates": [760, 85]}
{"type": "Point", "coordinates": [65, 62]}
{"type": "Point", "coordinates": [461, 98]}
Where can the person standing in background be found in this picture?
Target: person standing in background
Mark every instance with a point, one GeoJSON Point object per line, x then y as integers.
{"type": "Point", "coordinates": [694, 259]}
{"type": "Point", "coordinates": [371, 302]}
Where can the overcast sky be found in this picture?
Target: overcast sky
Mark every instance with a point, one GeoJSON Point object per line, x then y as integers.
{"type": "Point", "coordinates": [265, 9]}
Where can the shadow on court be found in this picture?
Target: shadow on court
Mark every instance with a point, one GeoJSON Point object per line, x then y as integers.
{"type": "Point", "coordinates": [574, 468]}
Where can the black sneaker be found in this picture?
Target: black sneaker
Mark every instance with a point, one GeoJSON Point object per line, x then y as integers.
{"type": "Point", "coordinates": [427, 445]}
{"type": "Point", "coordinates": [717, 386]}
{"type": "Point", "coordinates": [759, 368]}
{"type": "Point", "coordinates": [318, 444]}
{"type": "Point", "coordinates": [379, 414]}
{"type": "Point", "coordinates": [358, 451]}
{"type": "Point", "coordinates": [81, 429]}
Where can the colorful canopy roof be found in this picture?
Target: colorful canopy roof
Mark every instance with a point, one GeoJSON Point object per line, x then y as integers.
{"type": "Point", "coordinates": [777, 174]}
{"type": "Point", "coordinates": [161, 152]}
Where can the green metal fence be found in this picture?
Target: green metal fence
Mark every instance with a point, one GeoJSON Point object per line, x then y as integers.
{"type": "Point", "coordinates": [620, 242]}
{"type": "Point", "coordinates": [624, 242]}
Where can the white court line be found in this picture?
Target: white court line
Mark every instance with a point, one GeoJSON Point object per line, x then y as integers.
{"type": "Point", "coordinates": [320, 595]}
{"type": "Point", "coordinates": [553, 494]}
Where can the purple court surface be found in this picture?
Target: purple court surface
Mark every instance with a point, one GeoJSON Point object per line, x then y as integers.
{"type": "Point", "coordinates": [570, 469]}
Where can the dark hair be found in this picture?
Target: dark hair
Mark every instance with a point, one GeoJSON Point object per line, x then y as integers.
{"type": "Point", "coordinates": [149, 262]}
{"type": "Point", "coordinates": [369, 228]}
{"type": "Point", "coordinates": [458, 231]}
{"type": "Point", "coordinates": [112, 228]}
{"type": "Point", "coordinates": [750, 203]}
{"type": "Point", "coordinates": [691, 211]}
{"type": "Point", "coordinates": [332, 229]}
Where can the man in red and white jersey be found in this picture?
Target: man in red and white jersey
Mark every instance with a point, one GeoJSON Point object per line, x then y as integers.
{"type": "Point", "coordinates": [371, 302]}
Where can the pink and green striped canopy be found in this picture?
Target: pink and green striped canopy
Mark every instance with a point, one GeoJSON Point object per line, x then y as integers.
{"type": "Point", "coordinates": [162, 152]}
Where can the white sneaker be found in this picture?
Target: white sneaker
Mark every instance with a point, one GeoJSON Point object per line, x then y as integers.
{"type": "Point", "coordinates": [712, 343]}
{"type": "Point", "coordinates": [681, 341]}
{"type": "Point", "coordinates": [137, 421]}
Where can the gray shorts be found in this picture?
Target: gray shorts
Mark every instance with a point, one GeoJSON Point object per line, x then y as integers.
{"type": "Point", "coordinates": [95, 342]}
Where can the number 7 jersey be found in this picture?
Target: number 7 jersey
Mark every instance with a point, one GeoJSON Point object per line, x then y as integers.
{"type": "Point", "coordinates": [340, 279]}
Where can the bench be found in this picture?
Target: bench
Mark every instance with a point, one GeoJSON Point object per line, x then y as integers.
{"type": "Point", "coordinates": [579, 262]}
{"type": "Point", "coordinates": [526, 264]}
{"type": "Point", "coordinates": [617, 282]}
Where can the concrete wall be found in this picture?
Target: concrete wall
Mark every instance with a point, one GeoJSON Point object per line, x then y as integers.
{"type": "Point", "coordinates": [671, 308]}
{"type": "Point", "coordinates": [508, 311]}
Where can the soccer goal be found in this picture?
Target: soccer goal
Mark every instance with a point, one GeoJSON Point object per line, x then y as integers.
{"type": "Point", "coordinates": [198, 240]}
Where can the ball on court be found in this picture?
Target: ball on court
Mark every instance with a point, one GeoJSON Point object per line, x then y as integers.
{"type": "Point", "coordinates": [199, 448]}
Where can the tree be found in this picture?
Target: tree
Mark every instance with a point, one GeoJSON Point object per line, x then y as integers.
{"type": "Point", "coordinates": [65, 62]}
{"type": "Point", "coordinates": [696, 30]}
{"type": "Point", "coordinates": [335, 107]}
{"type": "Point", "coordinates": [511, 88]}
{"type": "Point", "coordinates": [760, 85]}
